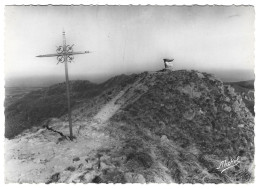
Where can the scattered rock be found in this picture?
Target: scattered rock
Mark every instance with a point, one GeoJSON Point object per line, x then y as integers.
{"type": "Point", "coordinates": [227, 108]}
{"type": "Point", "coordinates": [164, 138]}
{"type": "Point", "coordinates": [54, 178]}
{"type": "Point", "coordinates": [61, 139]}
{"type": "Point", "coordinates": [80, 166]}
{"type": "Point", "coordinates": [189, 115]}
{"type": "Point", "coordinates": [134, 178]}
{"type": "Point", "coordinates": [89, 165]}
{"type": "Point", "coordinates": [87, 177]}
{"type": "Point", "coordinates": [200, 75]}
{"type": "Point", "coordinates": [105, 157]}
{"type": "Point", "coordinates": [70, 168]}
{"type": "Point", "coordinates": [139, 159]}
{"type": "Point", "coordinates": [76, 159]}
{"type": "Point", "coordinates": [190, 90]}
{"type": "Point", "coordinates": [97, 180]}
{"type": "Point", "coordinates": [65, 177]}
{"type": "Point", "coordinates": [231, 91]}
{"type": "Point", "coordinates": [104, 166]}
{"type": "Point", "coordinates": [235, 106]}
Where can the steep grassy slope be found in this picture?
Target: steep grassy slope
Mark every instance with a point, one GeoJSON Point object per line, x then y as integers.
{"type": "Point", "coordinates": [39, 105]}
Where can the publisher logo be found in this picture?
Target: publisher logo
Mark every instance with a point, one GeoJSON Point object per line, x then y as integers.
{"type": "Point", "coordinates": [227, 164]}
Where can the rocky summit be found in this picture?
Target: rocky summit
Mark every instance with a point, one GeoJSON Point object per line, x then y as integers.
{"type": "Point", "coordinates": [154, 127]}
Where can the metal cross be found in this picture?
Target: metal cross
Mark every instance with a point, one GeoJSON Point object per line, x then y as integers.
{"type": "Point", "coordinates": [64, 55]}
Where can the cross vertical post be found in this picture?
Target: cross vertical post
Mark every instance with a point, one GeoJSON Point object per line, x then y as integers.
{"type": "Point", "coordinates": [67, 85]}
{"type": "Point", "coordinates": [64, 55]}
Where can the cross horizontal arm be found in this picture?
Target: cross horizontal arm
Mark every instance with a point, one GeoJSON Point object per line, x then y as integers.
{"type": "Point", "coordinates": [48, 55]}
{"type": "Point", "coordinates": [61, 54]}
{"type": "Point", "coordinates": [79, 52]}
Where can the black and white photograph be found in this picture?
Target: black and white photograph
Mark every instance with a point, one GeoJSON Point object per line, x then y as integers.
{"type": "Point", "coordinates": [129, 94]}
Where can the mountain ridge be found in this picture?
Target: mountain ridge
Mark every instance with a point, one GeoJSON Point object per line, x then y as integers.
{"type": "Point", "coordinates": [165, 126]}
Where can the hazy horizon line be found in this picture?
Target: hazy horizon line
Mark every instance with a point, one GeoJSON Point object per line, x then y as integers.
{"type": "Point", "coordinates": [48, 80]}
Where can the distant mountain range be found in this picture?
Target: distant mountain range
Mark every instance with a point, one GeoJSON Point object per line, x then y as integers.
{"type": "Point", "coordinates": [242, 85]}
{"type": "Point", "coordinates": [46, 81]}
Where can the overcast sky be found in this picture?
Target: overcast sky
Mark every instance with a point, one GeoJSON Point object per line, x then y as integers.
{"type": "Point", "coordinates": [127, 39]}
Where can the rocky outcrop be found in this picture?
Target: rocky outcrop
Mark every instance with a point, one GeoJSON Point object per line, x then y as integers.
{"type": "Point", "coordinates": [192, 110]}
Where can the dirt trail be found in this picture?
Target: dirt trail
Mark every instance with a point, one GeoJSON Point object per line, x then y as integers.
{"type": "Point", "coordinates": [109, 109]}
{"type": "Point", "coordinates": [114, 105]}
